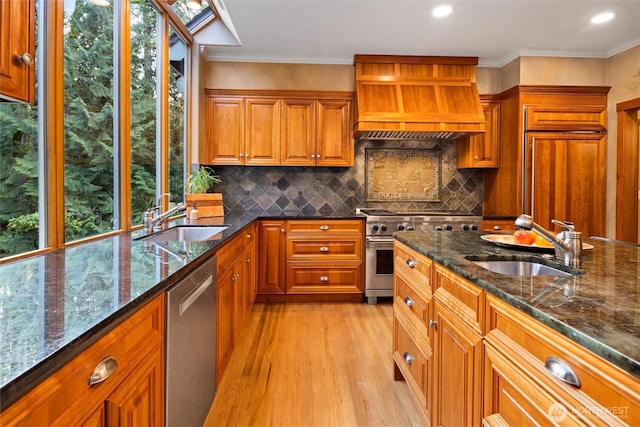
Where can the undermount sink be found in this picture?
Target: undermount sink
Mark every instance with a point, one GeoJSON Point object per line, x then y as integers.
{"type": "Point", "coordinates": [186, 233]}
{"type": "Point", "coordinates": [520, 267]}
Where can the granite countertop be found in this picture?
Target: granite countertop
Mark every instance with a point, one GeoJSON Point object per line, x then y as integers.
{"type": "Point", "coordinates": [54, 306]}
{"type": "Point", "coordinates": [598, 309]}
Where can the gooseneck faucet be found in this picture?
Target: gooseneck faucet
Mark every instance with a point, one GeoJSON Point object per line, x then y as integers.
{"type": "Point", "coordinates": [151, 222]}
{"type": "Point", "coordinates": [567, 244]}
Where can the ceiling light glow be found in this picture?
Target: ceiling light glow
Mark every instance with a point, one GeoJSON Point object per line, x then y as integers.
{"type": "Point", "coordinates": [602, 17]}
{"type": "Point", "coordinates": [441, 11]}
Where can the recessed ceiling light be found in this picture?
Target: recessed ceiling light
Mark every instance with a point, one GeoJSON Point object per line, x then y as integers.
{"type": "Point", "coordinates": [441, 11]}
{"type": "Point", "coordinates": [602, 17]}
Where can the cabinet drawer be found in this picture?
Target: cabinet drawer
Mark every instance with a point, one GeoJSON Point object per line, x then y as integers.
{"type": "Point", "coordinates": [345, 249]}
{"type": "Point", "coordinates": [413, 303]}
{"type": "Point", "coordinates": [602, 385]}
{"type": "Point", "coordinates": [415, 267]}
{"type": "Point", "coordinates": [566, 117]}
{"type": "Point", "coordinates": [412, 360]}
{"type": "Point", "coordinates": [66, 396]}
{"type": "Point", "coordinates": [323, 227]}
{"type": "Point", "coordinates": [460, 296]}
{"type": "Point", "coordinates": [305, 278]}
{"type": "Point", "coordinates": [230, 252]}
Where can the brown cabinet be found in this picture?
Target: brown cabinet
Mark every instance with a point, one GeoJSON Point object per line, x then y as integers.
{"type": "Point", "coordinates": [235, 293]}
{"type": "Point", "coordinates": [552, 164]}
{"type": "Point", "coordinates": [272, 261]}
{"type": "Point", "coordinates": [292, 128]}
{"type": "Point", "coordinates": [482, 150]}
{"type": "Point", "coordinates": [17, 38]}
{"type": "Point", "coordinates": [133, 392]}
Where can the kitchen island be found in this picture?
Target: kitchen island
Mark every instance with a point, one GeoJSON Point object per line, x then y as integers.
{"type": "Point", "coordinates": [469, 318]}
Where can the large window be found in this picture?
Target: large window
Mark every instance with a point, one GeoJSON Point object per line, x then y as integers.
{"type": "Point", "coordinates": [90, 141]}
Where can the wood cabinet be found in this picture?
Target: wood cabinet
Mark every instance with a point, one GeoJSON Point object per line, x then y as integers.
{"type": "Point", "coordinates": [292, 128]}
{"type": "Point", "coordinates": [520, 386]}
{"type": "Point", "coordinates": [17, 58]}
{"type": "Point", "coordinates": [324, 257]}
{"type": "Point", "coordinates": [482, 150]}
{"type": "Point", "coordinates": [413, 323]}
{"type": "Point", "coordinates": [552, 164]}
{"type": "Point", "coordinates": [235, 293]}
{"type": "Point", "coordinates": [272, 252]}
{"type": "Point", "coordinates": [132, 394]}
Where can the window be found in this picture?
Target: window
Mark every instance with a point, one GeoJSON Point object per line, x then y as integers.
{"type": "Point", "coordinates": [177, 110]}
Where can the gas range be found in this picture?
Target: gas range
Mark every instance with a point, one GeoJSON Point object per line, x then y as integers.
{"type": "Point", "coordinates": [383, 222]}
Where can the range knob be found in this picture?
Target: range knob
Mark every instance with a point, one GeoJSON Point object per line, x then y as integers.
{"type": "Point", "coordinates": [383, 228]}
{"type": "Point", "coordinates": [465, 227]}
{"type": "Point", "coordinates": [474, 227]}
{"type": "Point", "coordinates": [374, 228]}
{"type": "Point", "coordinates": [400, 227]}
{"type": "Point", "coordinates": [448, 227]}
{"type": "Point", "coordinates": [410, 228]}
{"type": "Point", "coordinates": [439, 228]}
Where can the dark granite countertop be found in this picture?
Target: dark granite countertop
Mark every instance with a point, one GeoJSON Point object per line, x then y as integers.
{"type": "Point", "coordinates": [54, 306]}
{"type": "Point", "coordinates": [599, 309]}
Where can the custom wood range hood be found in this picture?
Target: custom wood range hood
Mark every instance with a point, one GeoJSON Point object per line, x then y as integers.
{"type": "Point", "coordinates": [416, 97]}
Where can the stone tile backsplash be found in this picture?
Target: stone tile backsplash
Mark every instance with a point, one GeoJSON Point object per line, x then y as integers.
{"type": "Point", "coordinates": [327, 189]}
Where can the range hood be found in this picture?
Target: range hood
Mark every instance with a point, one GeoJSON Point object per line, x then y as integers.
{"type": "Point", "coordinates": [416, 97]}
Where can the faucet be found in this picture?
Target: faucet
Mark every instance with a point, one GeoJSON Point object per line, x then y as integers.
{"type": "Point", "coordinates": [567, 244]}
{"type": "Point", "coordinates": [151, 222]}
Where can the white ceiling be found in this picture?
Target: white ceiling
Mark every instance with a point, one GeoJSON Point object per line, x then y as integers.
{"type": "Point", "coordinates": [496, 31]}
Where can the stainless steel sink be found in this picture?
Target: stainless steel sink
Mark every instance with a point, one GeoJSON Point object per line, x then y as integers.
{"type": "Point", "coordinates": [186, 233]}
{"type": "Point", "coordinates": [520, 267]}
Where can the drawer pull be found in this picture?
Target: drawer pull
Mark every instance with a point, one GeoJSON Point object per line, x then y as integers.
{"type": "Point", "coordinates": [411, 263]}
{"type": "Point", "coordinates": [324, 249]}
{"type": "Point", "coordinates": [408, 301]}
{"type": "Point", "coordinates": [432, 323]}
{"type": "Point", "coordinates": [324, 278]}
{"type": "Point", "coordinates": [562, 370]}
{"type": "Point", "coordinates": [25, 58]}
{"type": "Point", "coordinates": [324, 227]}
{"type": "Point", "coordinates": [103, 370]}
{"type": "Point", "coordinates": [407, 358]}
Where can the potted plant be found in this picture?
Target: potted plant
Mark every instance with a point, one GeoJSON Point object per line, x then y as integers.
{"type": "Point", "coordinates": [197, 195]}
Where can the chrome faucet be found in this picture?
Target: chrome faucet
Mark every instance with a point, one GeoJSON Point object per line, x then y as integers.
{"type": "Point", "coordinates": [151, 222]}
{"type": "Point", "coordinates": [567, 244]}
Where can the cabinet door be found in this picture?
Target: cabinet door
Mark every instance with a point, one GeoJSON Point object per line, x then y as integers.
{"type": "Point", "coordinates": [262, 145]}
{"type": "Point", "coordinates": [566, 180]}
{"type": "Point", "coordinates": [298, 140]}
{"type": "Point", "coordinates": [272, 253]}
{"type": "Point", "coordinates": [251, 265]}
{"type": "Point", "coordinates": [334, 145]}
{"type": "Point", "coordinates": [224, 321]}
{"type": "Point", "coordinates": [457, 371]}
{"type": "Point", "coordinates": [139, 401]}
{"type": "Point", "coordinates": [224, 122]}
{"type": "Point", "coordinates": [240, 297]}
{"type": "Point", "coordinates": [17, 38]}
{"type": "Point", "coordinates": [481, 150]}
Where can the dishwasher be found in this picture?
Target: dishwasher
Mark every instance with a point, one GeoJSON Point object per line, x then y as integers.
{"type": "Point", "coordinates": [191, 347]}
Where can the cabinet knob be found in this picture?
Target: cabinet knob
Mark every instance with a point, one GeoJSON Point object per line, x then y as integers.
{"type": "Point", "coordinates": [324, 227]}
{"type": "Point", "coordinates": [246, 154]}
{"type": "Point", "coordinates": [248, 260]}
{"type": "Point", "coordinates": [249, 236]}
{"type": "Point", "coordinates": [408, 301]}
{"type": "Point", "coordinates": [324, 278]}
{"type": "Point", "coordinates": [103, 370]}
{"type": "Point", "coordinates": [411, 263]}
{"type": "Point", "coordinates": [240, 155]}
{"type": "Point", "coordinates": [476, 157]}
{"type": "Point", "coordinates": [25, 58]}
{"type": "Point", "coordinates": [324, 249]}
{"type": "Point", "coordinates": [433, 323]}
{"type": "Point", "coordinates": [407, 358]}
{"type": "Point", "coordinates": [562, 370]}
{"type": "Point", "coordinates": [282, 230]}
{"type": "Point", "coordinates": [312, 156]}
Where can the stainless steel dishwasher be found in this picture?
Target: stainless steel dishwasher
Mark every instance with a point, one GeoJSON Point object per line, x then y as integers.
{"type": "Point", "coordinates": [191, 347]}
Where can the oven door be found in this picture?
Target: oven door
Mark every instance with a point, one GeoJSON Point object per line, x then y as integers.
{"type": "Point", "coordinates": [379, 266]}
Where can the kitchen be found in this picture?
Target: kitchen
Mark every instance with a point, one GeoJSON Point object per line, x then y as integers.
{"type": "Point", "coordinates": [304, 183]}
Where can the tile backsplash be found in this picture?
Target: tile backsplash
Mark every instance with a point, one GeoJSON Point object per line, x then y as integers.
{"type": "Point", "coordinates": [327, 189]}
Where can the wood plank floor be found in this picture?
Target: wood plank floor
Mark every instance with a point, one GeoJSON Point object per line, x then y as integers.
{"type": "Point", "coordinates": [314, 364]}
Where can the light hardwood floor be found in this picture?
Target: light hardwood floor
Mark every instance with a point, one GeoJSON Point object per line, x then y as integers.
{"type": "Point", "coordinates": [314, 364]}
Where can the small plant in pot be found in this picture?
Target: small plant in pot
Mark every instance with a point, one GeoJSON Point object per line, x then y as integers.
{"type": "Point", "coordinates": [197, 197]}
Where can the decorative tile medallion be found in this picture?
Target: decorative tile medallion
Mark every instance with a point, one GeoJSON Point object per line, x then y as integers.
{"type": "Point", "coordinates": [403, 175]}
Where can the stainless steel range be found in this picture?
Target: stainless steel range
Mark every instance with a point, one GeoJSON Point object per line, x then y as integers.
{"type": "Point", "coordinates": [380, 226]}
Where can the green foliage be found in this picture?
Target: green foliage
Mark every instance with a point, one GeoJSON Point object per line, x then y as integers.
{"type": "Point", "coordinates": [201, 180]}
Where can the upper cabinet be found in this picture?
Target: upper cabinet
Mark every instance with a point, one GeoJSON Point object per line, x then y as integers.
{"type": "Point", "coordinates": [292, 128]}
{"type": "Point", "coordinates": [17, 57]}
{"type": "Point", "coordinates": [482, 150]}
